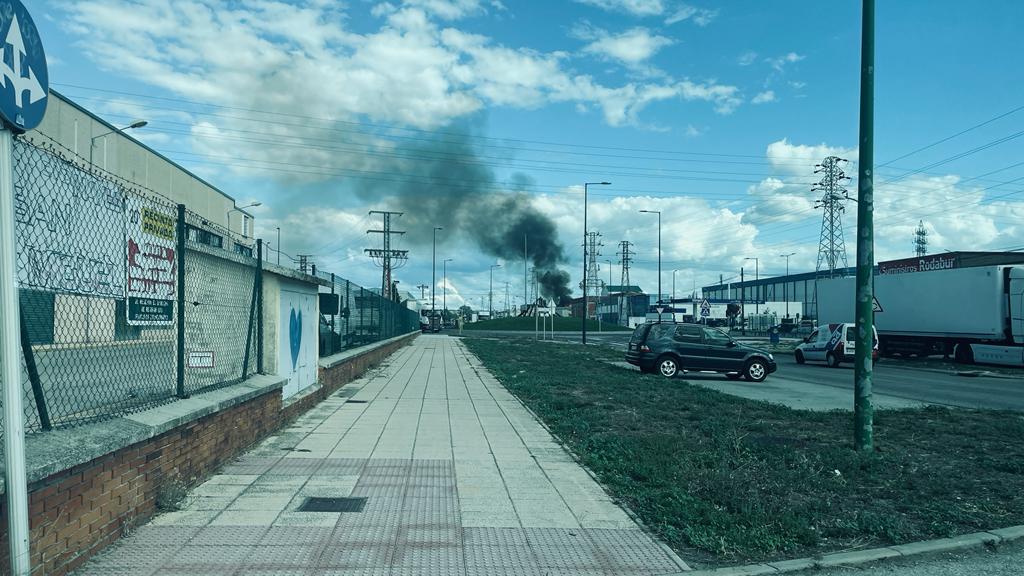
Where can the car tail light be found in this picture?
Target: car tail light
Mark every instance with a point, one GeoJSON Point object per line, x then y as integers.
{"type": "Point", "coordinates": [645, 348]}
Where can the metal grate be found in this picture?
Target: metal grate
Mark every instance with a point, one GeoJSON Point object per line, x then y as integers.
{"type": "Point", "coordinates": [316, 504]}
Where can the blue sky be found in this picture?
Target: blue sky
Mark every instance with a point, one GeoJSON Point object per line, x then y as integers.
{"type": "Point", "coordinates": [714, 113]}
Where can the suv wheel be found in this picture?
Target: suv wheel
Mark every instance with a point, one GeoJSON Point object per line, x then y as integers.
{"type": "Point", "coordinates": [832, 360]}
{"type": "Point", "coordinates": [668, 366]}
{"type": "Point", "coordinates": [799, 357]}
{"type": "Point", "coordinates": [756, 370]}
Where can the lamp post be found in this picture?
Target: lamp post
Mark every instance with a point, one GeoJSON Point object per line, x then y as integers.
{"type": "Point", "coordinates": [785, 285]}
{"type": "Point", "coordinates": [490, 293]}
{"type": "Point", "coordinates": [278, 245]}
{"type": "Point", "coordinates": [444, 290]}
{"type": "Point", "coordinates": [658, 212]}
{"type": "Point", "coordinates": [674, 283]}
{"type": "Point", "coordinates": [239, 209]}
{"type": "Point", "coordinates": [757, 276]}
{"type": "Point", "coordinates": [92, 142]}
{"type": "Point", "coordinates": [433, 277]}
{"type": "Point", "coordinates": [585, 311]}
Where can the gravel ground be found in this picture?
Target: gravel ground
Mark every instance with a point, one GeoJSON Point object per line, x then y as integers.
{"type": "Point", "coordinates": [1007, 560]}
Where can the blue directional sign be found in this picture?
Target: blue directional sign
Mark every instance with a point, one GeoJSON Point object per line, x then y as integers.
{"type": "Point", "coordinates": [25, 80]}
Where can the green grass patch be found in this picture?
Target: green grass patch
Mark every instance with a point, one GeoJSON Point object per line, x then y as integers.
{"type": "Point", "coordinates": [726, 480]}
{"type": "Point", "coordinates": [526, 324]}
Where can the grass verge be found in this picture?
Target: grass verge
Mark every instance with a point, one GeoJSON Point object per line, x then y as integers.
{"type": "Point", "coordinates": [726, 480]}
{"type": "Point", "coordinates": [526, 324]}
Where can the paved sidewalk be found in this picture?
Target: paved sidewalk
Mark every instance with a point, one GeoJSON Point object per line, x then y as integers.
{"type": "Point", "coordinates": [457, 477]}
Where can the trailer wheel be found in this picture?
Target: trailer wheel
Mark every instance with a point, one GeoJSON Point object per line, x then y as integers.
{"type": "Point", "coordinates": [832, 360]}
{"type": "Point", "coordinates": [963, 353]}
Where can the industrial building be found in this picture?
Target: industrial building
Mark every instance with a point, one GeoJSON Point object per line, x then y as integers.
{"type": "Point", "coordinates": [802, 287]}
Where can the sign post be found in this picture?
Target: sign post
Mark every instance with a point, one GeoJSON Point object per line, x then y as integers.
{"type": "Point", "coordinates": [22, 105]}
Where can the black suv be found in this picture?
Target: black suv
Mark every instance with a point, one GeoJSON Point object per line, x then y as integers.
{"type": "Point", "coordinates": [668, 348]}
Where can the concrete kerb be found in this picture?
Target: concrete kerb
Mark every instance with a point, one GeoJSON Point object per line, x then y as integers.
{"type": "Point", "coordinates": [632, 515]}
{"type": "Point", "coordinates": [860, 557]}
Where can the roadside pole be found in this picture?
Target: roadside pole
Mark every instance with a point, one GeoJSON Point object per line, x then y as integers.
{"type": "Point", "coordinates": [864, 309]}
{"type": "Point", "coordinates": [10, 335]}
{"type": "Point", "coordinates": [21, 109]}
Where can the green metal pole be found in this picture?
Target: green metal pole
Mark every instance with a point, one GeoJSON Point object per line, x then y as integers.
{"type": "Point", "coordinates": [862, 409]}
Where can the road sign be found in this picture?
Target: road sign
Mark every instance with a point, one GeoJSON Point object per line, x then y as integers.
{"type": "Point", "coordinates": [875, 306]}
{"type": "Point", "coordinates": [25, 79]}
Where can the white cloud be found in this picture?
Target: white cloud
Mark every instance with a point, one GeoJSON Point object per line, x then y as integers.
{"type": "Point", "coordinates": [631, 47]}
{"type": "Point", "coordinates": [780, 62]}
{"type": "Point", "coordinates": [764, 97]}
{"type": "Point", "coordinates": [700, 16]}
{"type": "Point", "coordinates": [747, 58]}
{"type": "Point", "coordinates": [634, 7]}
{"type": "Point", "coordinates": [692, 131]}
{"type": "Point", "coordinates": [448, 9]}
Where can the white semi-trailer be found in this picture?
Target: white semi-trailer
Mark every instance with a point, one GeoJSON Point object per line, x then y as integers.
{"type": "Point", "coordinates": [975, 314]}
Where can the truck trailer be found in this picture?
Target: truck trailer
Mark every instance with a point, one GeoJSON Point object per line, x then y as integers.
{"type": "Point", "coordinates": [974, 314]}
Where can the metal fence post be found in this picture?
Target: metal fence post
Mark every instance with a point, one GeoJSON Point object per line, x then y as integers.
{"type": "Point", "coordinates": [334, 317]}
{"type": "Point", "coordinates": [180, 384]}
{"type": "Point", "coordinates": [259, 307]}
{"type": "Point", "coordinates": [33, 375]}
{"type": "Point", "coordinates": [252, 320]}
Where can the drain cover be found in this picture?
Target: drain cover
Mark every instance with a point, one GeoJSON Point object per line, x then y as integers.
{"type": "Point", "coordinates": [316, 504]}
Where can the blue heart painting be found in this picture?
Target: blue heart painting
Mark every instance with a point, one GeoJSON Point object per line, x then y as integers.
{"type": "Point", "coordinates": [295, 335]}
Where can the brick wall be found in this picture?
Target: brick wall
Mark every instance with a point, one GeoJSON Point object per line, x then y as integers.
{"type": "Point", "coordinates": [76, 513]}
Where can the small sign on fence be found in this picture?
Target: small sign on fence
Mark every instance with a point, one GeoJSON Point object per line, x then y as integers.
{"type": "Point", "coordinates": [150, 311]}
{"type": "Point", "coordinates": [200, 359]}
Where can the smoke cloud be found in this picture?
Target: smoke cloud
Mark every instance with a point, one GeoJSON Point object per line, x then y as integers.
{"type": "Point", "coordinates": [443, 181]}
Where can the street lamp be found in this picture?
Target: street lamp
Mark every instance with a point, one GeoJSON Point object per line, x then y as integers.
{"type": "Point", "coordinates": [433, 277]}
{"type": "Point", "coordinates": [490, 293]}
{"type": "Point", "coordinates": [785, 285]}
{"type": "Point", "coordinates": [658, 212]}
{"type": "Point", "coordinates": [278, 245]}
{"type": "Point", "coordinates": [444, 292]}
{"type": "Point", "coordinates": [674, 283]}
{"type": "Point", "coordinates": [757, 276]}
{"type": "Point", "coordinates": [585, 311]}
{"type": "Point", "coordinates": [92, 142]}
{"type": "Point", "coordinates": [239, 209]}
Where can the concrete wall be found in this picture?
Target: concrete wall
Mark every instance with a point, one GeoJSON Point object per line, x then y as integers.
{"type": "Point", "coordinates": [74, 128]}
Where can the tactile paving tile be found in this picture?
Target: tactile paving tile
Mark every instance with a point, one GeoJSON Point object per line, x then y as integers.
{"type": "Point", "coordinates": [430, 536]}
{"type": "Point", "coordinates": [584, 557]}
{"type": "Point", "coordinates": [502, 537]}
{"type": "Point", "coordinates": [228, 536]}
{"type": "Point", "coordinates": [96, 570]}
{"type": "Point", "coordinates": [429, 557]}
{"type": "Point", "coordinates": [294, 467]}
{"type": "Point", "coordinates": [353, 556]}
{"type": "Point", "coordinates": [282, 557]}
{"type": "Point", "coordinates": [144, 557]}
{"type": "Point", "coordinates": [171, 536]}
{"type": "Point", "coordinates": [556, 537]}
{"type": "Point", "coordinates": [211, 556]}
{"type": "Point", "coordinates": [296, 535]}
{"type": "Point", "coordinates": [506, 556]}
{"type": "Point", "coordinates": [341, 467]}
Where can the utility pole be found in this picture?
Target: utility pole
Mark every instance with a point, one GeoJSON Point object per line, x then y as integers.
{"type": "Point", "coordinates": [785, 285]}
{"type": "Point", "coordinates": [423, 291]}
{"type": "Point", "coordinates": [526, 281]}
{"type": "Point", "coordinates": [831, 246]}
{"type": "Point", "coordinates": [625, 257]}
{"type": "Point", "coordinates": [592, 282]}
{"type": "Point", "coordinates": [757, 276]}
{"type": "Point", "coordinates": [433, 277]}
{"type": "Point", "coordinates": [586, 185]}
{"type": "Point", "coordinates": [387, 258]}
{"type": "Point", "coordinates": [508, 309]}
{"type": "Point", "coordinates": [490, 293]}
{"type": "Point", "coordinates": [863, 412]}
{"type": "Point", "coordinates": [743, 305]}
{"type": "Point", "coordinates": [920, 240]}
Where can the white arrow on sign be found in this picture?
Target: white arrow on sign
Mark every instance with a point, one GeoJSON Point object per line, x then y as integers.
{"type": "Point", "coordinates": [18, 78]}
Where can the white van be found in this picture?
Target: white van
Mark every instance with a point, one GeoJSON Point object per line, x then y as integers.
{"type": "Point", "coordinates": [832, 344]}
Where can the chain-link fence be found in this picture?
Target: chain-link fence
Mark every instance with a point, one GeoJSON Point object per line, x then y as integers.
{"type": "Point", "coordinates": [105, 270]}
{"type": "Point", "coordinates": [355, 316]}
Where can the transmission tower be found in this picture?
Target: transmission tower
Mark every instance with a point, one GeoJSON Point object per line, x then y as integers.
{"type": "Point", "coordinates": [387, 258]}
{"type": "Point", "coordinates": [920, 239]}
{"type": "Point", "coordinates": [306, 263]}
{"type": "Point", "coordinates": [832, 246]}
{"type": "Point", "coordinates": [594, 283]}
{"type": "Point", "coordinates": [625, 257]}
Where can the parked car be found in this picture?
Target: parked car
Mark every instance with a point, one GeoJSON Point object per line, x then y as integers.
{"type": "Point", "coordinates": [832, 344]}
{"type": "Point", "coordinates": [667, 349]}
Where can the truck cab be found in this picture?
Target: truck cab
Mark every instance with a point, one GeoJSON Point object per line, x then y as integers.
{"type": "Point", "coordinates": [832, 344]}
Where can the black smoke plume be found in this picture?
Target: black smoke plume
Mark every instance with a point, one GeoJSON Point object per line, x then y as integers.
{"type": "Point", "coordinates": [445, 180]}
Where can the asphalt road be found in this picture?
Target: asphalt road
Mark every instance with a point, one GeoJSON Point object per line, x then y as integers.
{"type": "Point", "coordinates": [894, 382]}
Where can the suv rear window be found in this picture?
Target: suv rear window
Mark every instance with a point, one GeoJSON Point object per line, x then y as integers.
{"type": "Point", "coordinates": [639, 333]}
